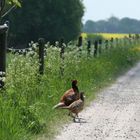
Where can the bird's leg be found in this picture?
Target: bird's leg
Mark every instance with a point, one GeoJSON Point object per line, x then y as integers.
{"type": "Point", "coordinates": [79, 119]}
{"type": "Point", "coordinates": [75, 117]}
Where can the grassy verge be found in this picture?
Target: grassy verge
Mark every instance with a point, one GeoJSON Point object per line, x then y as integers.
{"type": "Point", "coordinates": [27, 101]}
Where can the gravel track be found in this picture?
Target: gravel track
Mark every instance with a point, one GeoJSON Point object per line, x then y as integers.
{"type": "Point", "coordinates": [114, 115]}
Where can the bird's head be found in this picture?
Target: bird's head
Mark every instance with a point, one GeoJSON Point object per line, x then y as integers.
{"type": "Point", "coordinates": [74, 82]}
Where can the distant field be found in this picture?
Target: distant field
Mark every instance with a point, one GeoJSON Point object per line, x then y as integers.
{"type": "Point", "coordinates": [114, 35]}
{"type": "Point", "coordinates": [107, 35]}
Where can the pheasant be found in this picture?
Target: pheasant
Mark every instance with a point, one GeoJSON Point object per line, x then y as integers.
{"type": "Point", "coordinates": [69, 96]}
{"type": "Point", "coordinates": [76, 106]}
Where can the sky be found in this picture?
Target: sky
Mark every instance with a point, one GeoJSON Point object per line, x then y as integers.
{"type": "Point", "coordinates": [103, 9]}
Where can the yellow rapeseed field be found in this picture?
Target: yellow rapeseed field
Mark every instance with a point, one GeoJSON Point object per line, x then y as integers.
{"type": "Point", "coordinates": [107, 35]}
{"type": "Point", "coordinates": [114, 35]}
{"type": "Point", "coordinates": [84, 35]}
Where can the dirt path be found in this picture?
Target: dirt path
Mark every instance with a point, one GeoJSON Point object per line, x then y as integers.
{"type": "Point", "coordinates": [114, 115]}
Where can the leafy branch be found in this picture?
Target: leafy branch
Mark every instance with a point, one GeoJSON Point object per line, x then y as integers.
{"type": "Point", "coordinates": [3, 4]}
{"type": "Point", "coordinates": [14, 2]}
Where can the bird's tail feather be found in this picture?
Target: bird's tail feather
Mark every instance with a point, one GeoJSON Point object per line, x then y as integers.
{"type": "Point", "coordinates": [64, 107]}
{"type": "Point", "coordinates": [59, 105]}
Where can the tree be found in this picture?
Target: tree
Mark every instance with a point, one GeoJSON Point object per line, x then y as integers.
{"type": "Point", "coordinates": [89, 26]}
{"type": "Point", "coordinates": [130, 25]}
{"type": "Point", "coordinates": [7, 5]}
{"type": "Point", "coordinates": [51, 19]}
{"type": "Point", "coordinates": [113, 25]}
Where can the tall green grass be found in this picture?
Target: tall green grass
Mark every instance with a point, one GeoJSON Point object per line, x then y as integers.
{"type": "Point", "coordinates": [27, 101]}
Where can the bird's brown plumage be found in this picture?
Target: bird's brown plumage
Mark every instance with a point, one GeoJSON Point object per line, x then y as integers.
{"type": "Point", "coordinates": [69, 96]}
{"type": "Point", "coordinates": [76, 106]}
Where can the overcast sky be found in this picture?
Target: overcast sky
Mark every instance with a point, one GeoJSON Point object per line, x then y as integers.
{"type": "Point", "coordinates": [103, 9]}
